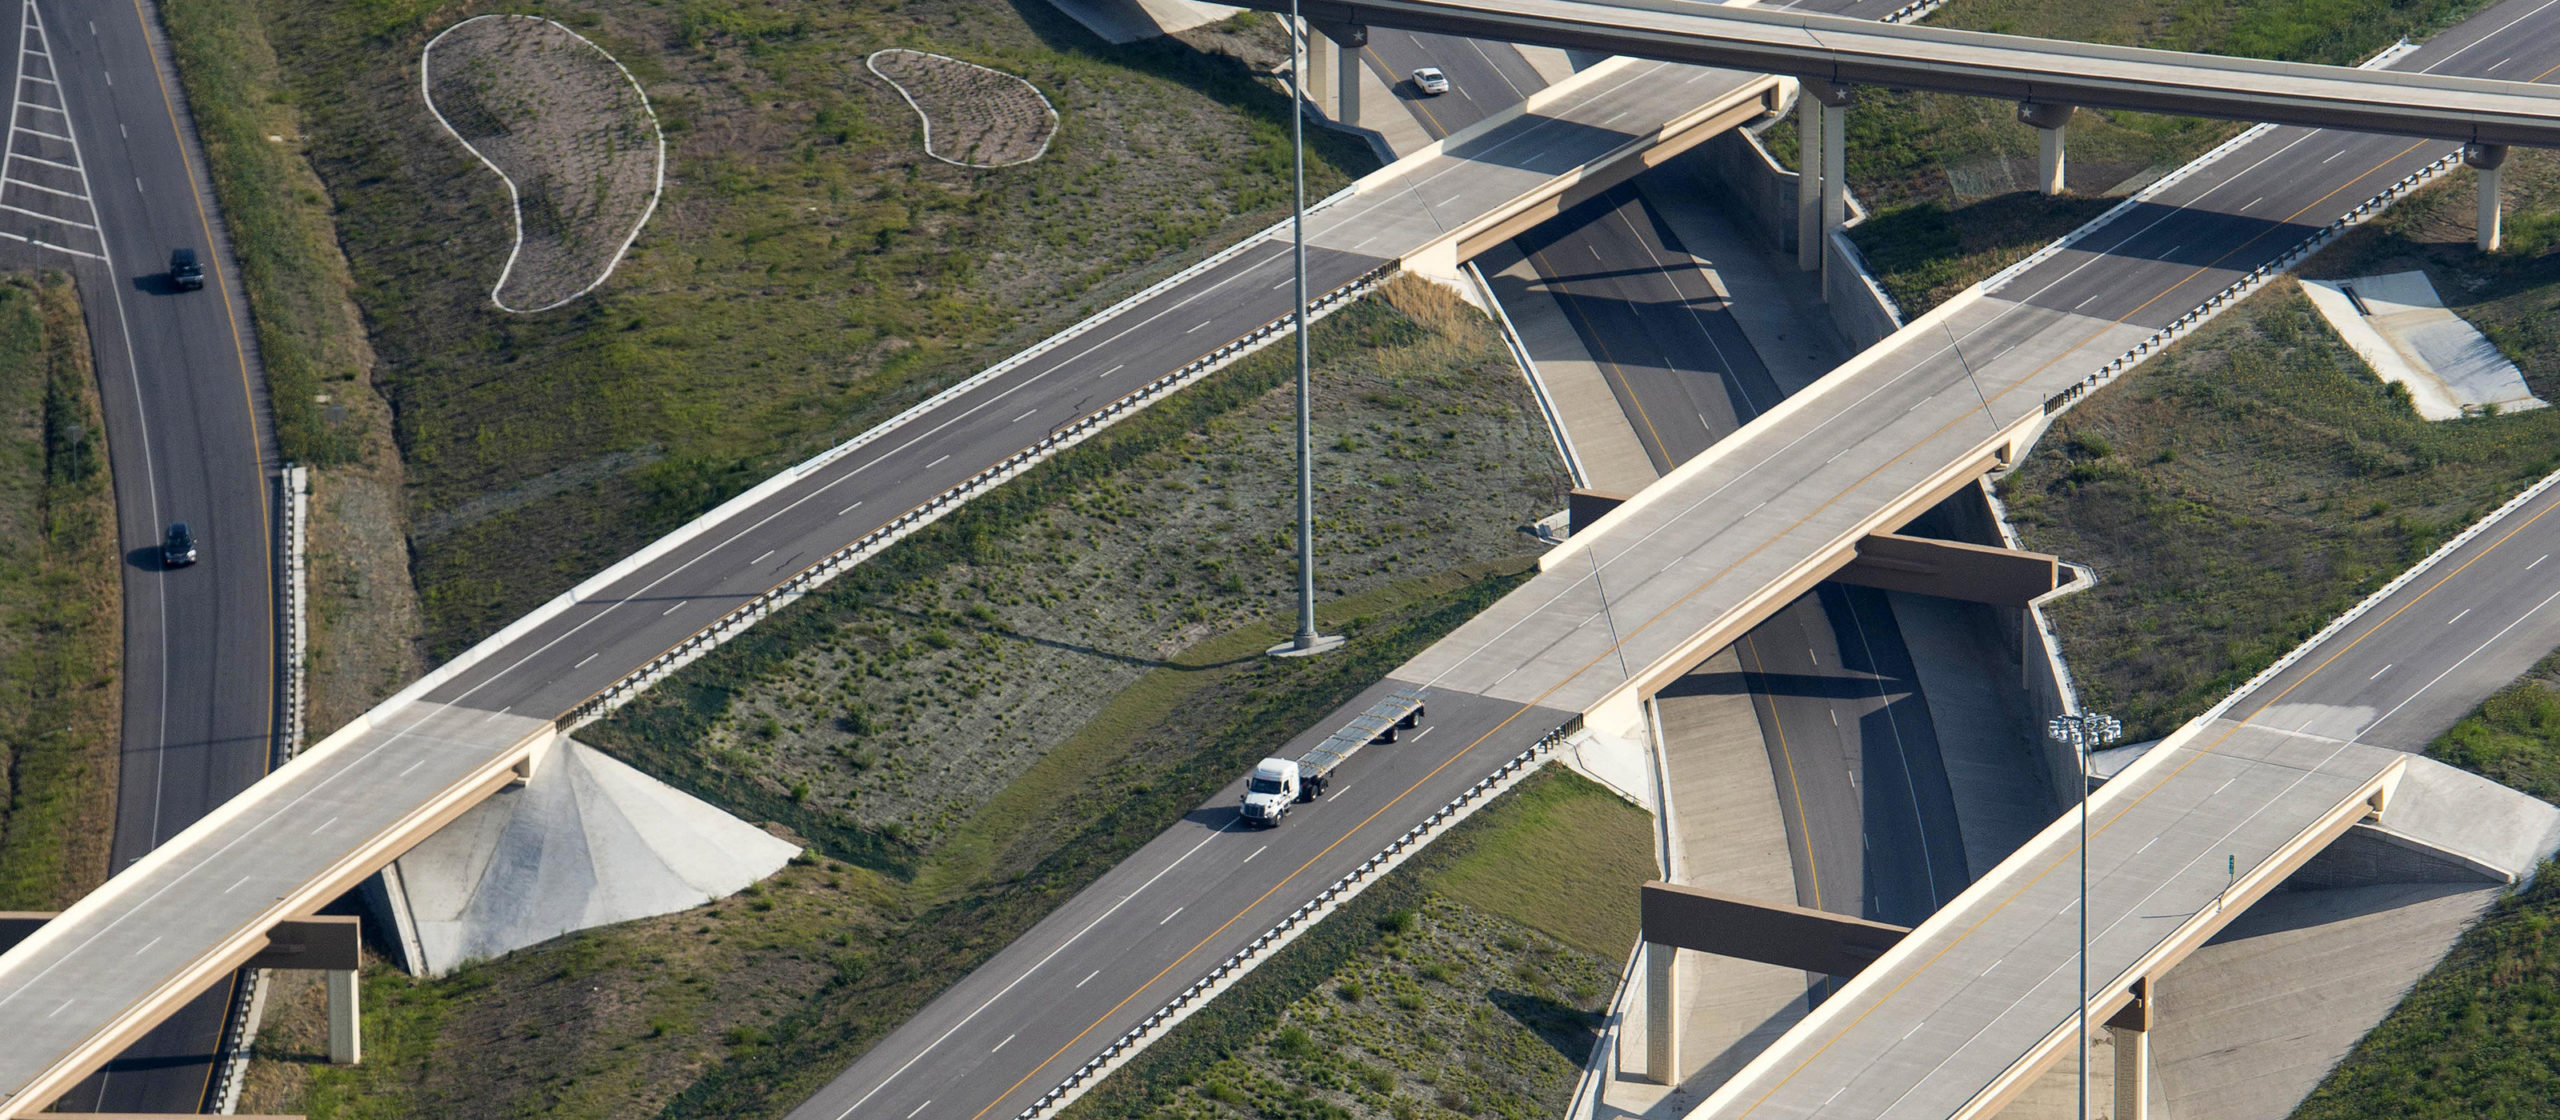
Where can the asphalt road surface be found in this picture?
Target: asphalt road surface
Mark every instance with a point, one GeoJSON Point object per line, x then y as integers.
{"type": "Point", "coordinates": [1121, 948]}
{"type": "Point", "coordinates": [102, 182]}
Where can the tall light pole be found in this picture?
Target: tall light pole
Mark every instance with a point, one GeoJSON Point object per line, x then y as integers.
{"type": "Point", "coordinates": [1306, 640]}
{"type": "Point", "coordinates": [2084, 732]}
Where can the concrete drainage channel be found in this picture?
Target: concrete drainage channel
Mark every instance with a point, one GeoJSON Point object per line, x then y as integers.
{"type": "Point", "coordinates": [293, 638]}
{"type": "Point", "coordinates": [1342, 890]}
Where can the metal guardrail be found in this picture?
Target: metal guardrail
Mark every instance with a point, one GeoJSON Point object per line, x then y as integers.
{"type": "Point", "coordinates": [2249, 282]}
{"type": "Point", "coordinates": [817, 575]}
{"type": "Point", "coordinates": [1307, 914]}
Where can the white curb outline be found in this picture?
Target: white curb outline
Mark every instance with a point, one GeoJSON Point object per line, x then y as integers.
{"type": "Point", "coordinates": [516, 204]}
{"type": "Point", "coordinates": [871, 62]}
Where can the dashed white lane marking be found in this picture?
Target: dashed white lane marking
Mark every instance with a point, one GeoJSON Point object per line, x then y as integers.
{"type": "Point", "coordinates": [2146, 845]}
{"type": "Point", "coordinates": [1835, 717]}
{"type": "Point", "coordinates": [2457, 618]}
{"type": "Point", "coordinates": [919, 1108]}
{"type": "Point", "coordinates": [1114, 369]}
{"type": "Point", "coordinates": [1417, 736]}
{"type": "Point", "coordinates": [412, 767]}
{"type": "Point", "coordinates": [582, 662]}
{"type": "Point", "coordinates": [146, 947]}
{"type": "Point", "coordinates": [66, 1006]}
{"type": "Point", "coordinates": [2253, 202]}
{"type": "Point", "coordinates": [235, 886]}
{"type": "Point", "coordinates": [1169, 917]}
{"type": "Point", "coordinates": [324, 826]}
{"type": "Point", "coordinates": [1088, 978]}
{"type": "Point", "coordinates": [109, 76]}
{"type": "Point", "coordinates": [2377, 674]}
{"type": "Point", "coordinates": [1026, 973]}
{"type": "Point", "coordinates": [1023, 417]}
{"type": "Point", "coordinates": [1000, 1045]}
{"type": "Point", "coordinates": [1239, 863]}
{"type": "Point", "coordinates": [1203, 323]}
{"type": "Point", "coordinates": [2537, 561]}
{"type": "Point", "coordinates": [937, 462]}
{"type": "Point", "coordinates": [671, 610]}
{"type": "Point", "coordinates": [2339, 152]}
{"type": "Point", "coordinates": [760, 559]}
{"type": "Point", "coordinates": [849, 509]}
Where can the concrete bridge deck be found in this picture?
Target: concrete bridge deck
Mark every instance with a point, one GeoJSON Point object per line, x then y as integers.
{"type": "Point", "coordinates": [111, 965]}
{"type": "Point", "coordinates": [1968, 1007]}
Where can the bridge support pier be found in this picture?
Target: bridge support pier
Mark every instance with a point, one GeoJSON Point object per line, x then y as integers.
{"type": "Point", "coordinates": [2130, 1030]}
{"type": "Point", "coordinates": [2487, 159]}
{"type": "Point", "coordinates": [1661, 1013]}
{"type": "Point", "coordinates": [346, 1042]}
{"type": "Point", "coordinates": [1822, 140]}
{"type": "Point", "coordinates": [2047, 119]}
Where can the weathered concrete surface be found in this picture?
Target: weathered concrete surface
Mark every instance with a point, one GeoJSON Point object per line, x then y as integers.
{"type": "Point", "coordinates": [1986, 734]}
{"type": "Point", "coordinates": [1127, 21]}
{"type": "Point", "coordinates": [2400, 326]}
{"type": "Point", "coordinates": [2252, 1022]}
{"type": "Point", "coordinates": [1726, 835]}
{"type": "Point", "coordinates": [590, 841]}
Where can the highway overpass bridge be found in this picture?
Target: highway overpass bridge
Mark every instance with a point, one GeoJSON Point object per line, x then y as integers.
{"type": "Point", "coordinates": [1667, 577]}
{"type": "Point", "coordinates": [101, 973]}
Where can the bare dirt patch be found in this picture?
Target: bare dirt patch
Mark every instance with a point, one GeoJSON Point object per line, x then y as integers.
{"type": "Point", "coordinates": [569, 130]}
{"type": "Point", "coordinates": [973, 116]}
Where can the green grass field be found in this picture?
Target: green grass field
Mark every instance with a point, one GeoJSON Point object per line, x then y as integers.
{"type": "Point", "coordinates": [2239, 491]}
{"type": "Point", "coordinates": [1951, 180]}
{"type": "Point", "coordinates": [1469, 982]}
{"type": "Point", "coordinates": [61, 621]}
{"type": "Point", "coordinates": [2474, 1039]}
{"type": "Point", "coordinates": [809, 272]}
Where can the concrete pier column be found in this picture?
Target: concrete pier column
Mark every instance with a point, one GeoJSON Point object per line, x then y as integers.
{"type": "Point", "coordinates": [1346, 73]}
{"type": "Point", "coordinates": [2487, 159]}
{"type": "Point", "coordinates": [1808, 180]}
{"type": "Point", "coordinates": [346, 1043]}
{"type": "Point", "coordinates": [1835, 164]}
{"type": "Point", "coordinates": [1316, 85]}
{"type": "Point", "coordinates": [2047, 119]}
{"type": "Point", "coordinates": [1661, 1013]}
{"type": "Point", "coordinates": [2133, 1073]}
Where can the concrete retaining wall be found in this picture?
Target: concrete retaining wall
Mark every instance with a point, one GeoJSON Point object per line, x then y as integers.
{"type": "Point", "coordinates": [1864, 314]}
{"type": "Point", "coordinates": [1759, 196]}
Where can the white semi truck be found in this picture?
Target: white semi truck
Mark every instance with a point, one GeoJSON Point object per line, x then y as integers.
{"type": "Point", "coordinates": [1277, 783]}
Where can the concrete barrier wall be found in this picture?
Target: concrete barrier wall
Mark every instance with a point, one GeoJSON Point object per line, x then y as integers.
{"type": "Point", "coordinates": [1859, 307]}
{"type": "Point", "coordinates": [1758, 195]}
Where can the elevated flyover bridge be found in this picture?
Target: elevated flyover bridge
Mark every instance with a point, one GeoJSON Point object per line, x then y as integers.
{"type": "Point", "coordinates": [1688, 564]}
{"type": "Point", "coordinates": [92, 979]}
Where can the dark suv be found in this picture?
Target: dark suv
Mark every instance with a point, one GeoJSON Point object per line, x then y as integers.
{"type": "Point", "coordinates": [178, 549]}
{"type": "Point", "coordinates": [184, 273]}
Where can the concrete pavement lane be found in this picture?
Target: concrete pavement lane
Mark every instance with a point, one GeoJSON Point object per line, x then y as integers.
{"type": "Point", "coordinates": [552, 661]}
{"type": "Point", "coordinates": [187, 438]}
{"type": "Point", "coordinates": [2421, 659]}
{"type": "Point", "coordinates": [1160, 919]}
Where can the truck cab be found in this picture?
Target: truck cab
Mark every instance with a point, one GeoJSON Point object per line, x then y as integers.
{"type": "Point", "coordinates": [1269, 791]}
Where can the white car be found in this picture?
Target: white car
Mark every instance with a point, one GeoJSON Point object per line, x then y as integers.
{"type": "Point", "coordinates": [1431, 81]}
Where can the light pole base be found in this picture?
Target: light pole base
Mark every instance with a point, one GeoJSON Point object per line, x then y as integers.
{"type": "Point", "coordinates": [1321, 643]}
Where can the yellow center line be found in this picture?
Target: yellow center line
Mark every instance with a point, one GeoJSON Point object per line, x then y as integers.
{"type": "Point", "coordinates": [239, 347]}
{"type": "Point", "coordinates": [1437, 131]}
{"type": "Point", "coordinates": [1812, 870]}
{"type": "Point", "coordinates": [1658, 616]}
{"type": "Point", "coordinates": [1567, 300]}
{"type": "Point", "coordinates": [2067, 855]}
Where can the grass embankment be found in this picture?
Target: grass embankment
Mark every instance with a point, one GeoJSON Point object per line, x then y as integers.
{"type": "Point", "coordinates": [809, 272]}
{"type": "Point", "coordinates": [1470, 982]}
{"type": "Point", "coordinates": [2473, 1039]}
{"type": "Point", "coordinates": [61, 602]}
{"type": "Point", "coordinates": [1952, 180]}
{"type": "Point", "coordinates": [2241, 490]}
{"type": "Point", "coordinates": [364, 641]}
{"type": "Point", "coordinates": [1098, 605]}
